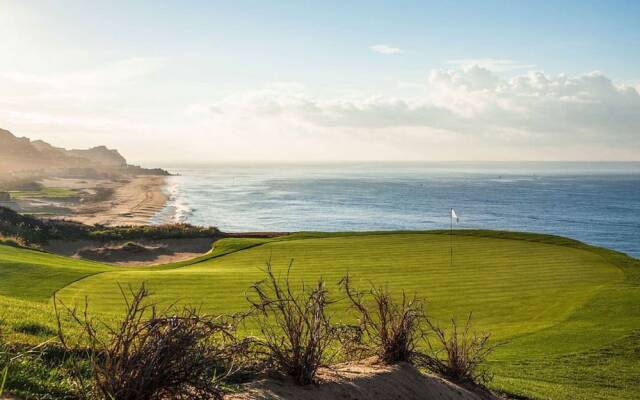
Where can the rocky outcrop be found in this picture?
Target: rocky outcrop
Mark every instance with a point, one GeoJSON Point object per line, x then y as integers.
{"type": "Point", "coordinates": [19, 155]}
{"type": "Point", "coordinates": [11, 146]}
{"type": "Point", "coordinates": [101, 155]}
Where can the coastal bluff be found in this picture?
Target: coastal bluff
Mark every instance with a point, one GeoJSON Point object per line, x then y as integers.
{"type": "Point", "coordinates": [23, 157]}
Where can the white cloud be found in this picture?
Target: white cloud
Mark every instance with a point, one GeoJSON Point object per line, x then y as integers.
{"type": "Point", "coordinates": [385, 49]}
{"type": "Point", "coordinates": [466, 112]}
{"type": "Point", "coordinates": [531, 109]}
{"type": "Point", "coordinates": [491, 64]}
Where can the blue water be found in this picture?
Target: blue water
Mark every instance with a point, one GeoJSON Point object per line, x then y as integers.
{"type": "Point", "coordinates": [598, 203]}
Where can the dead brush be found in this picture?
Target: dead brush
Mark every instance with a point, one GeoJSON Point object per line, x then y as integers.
{"type": "Point", "coordinates": [459, 354]}
{"type": "Point", "coordinates": [5, 361]}
{"type": "Point", "coordinates": [296, 330]}
{"type": "Point", "coordinates": [152, 355]}
{"type": "Point", "coordinates": [393, 328]}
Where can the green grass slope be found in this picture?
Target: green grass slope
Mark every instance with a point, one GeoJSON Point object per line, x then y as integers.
{"type": "Point", "coordinates": [568, 314]}
{"type": "Point", "coordinates": [34, 275]}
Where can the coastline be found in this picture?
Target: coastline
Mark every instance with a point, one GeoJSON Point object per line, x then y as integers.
{"type": "Point", "coordinates": [133, 203]}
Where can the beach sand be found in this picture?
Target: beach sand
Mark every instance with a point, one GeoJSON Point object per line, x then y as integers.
{"type": "Point", "coordinates": [133, 203]}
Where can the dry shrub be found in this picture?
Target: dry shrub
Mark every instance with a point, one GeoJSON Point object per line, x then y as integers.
{"type": "Point", "coordinates": [393, 328]}
{"type": "Point", "coordinates": [459, 354]}
{"type": "Point", "coordinates": [12, 241]}
{"type": "Point", "coordinates": [296, 330]}
{"type": "Point", "coordinates": [396, 329]}
{"type": "Point", "coordinates": [350, 338]}
{"type": "Point", "coordinates": [5, 360]}
{"type": "Point", "coordinates": [153, 355]}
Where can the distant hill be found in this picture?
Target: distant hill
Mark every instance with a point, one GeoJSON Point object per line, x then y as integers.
{"type": "Point", "coordinates": [19, 156]}
{"type": "Point", "coordinates": [101, 155]}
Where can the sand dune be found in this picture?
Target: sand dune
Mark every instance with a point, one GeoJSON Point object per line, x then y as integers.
{"type": "Point", "coordinates": [363, 380]}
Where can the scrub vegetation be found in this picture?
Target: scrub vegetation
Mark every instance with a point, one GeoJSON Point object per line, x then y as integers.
{"type": "Point", "coordinates": [563, 314]}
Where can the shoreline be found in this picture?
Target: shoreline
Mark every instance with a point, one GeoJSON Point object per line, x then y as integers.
{"type": "Point", "coordinates": [136, 202]}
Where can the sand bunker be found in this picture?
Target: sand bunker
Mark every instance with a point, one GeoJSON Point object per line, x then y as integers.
{"type": "Point", "coordinates": [363, 380]}
{"type": "Point", "coordinates": [139, 252]}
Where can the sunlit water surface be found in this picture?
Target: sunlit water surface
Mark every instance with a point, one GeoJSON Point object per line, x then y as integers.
{"type": "Point", "coordinates": [598, 203]}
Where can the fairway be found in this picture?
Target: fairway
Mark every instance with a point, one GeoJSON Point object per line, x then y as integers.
{"type": "Point", "coordinates": [555, 305]}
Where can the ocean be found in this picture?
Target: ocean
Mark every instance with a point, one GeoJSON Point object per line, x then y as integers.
{"type": "Point", "coordinates": [598, 203]}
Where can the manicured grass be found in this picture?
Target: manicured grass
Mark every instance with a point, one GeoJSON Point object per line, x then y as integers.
{"type": "Point", "coordinates": [486, 277]}
{"type": "Point", "coordinates": [34, 275]}
{"type": "Point", "coordinates": [567, 314]}
{"type": "Point", "coordinates": [49, 193]}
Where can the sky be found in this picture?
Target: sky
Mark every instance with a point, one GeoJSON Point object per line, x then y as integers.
{"type": "Point", "coordinates": [208, 81]}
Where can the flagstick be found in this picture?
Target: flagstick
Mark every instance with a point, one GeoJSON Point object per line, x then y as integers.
{"type": "Point", "coordinates": [451, 239]}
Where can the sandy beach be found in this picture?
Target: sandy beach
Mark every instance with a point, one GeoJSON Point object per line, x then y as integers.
{"type": "Point", "coordinates": [133, 203]}
{"type": "Point", "coordinates": [132, 200]}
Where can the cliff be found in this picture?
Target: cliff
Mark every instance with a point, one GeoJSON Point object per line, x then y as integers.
{"type": "Point", "coordinates": [101, 155]}
{"type": "Point", "coordinates": [22, 155]}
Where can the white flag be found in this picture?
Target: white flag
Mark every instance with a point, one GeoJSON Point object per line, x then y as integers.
{"type": "Point", "coordinates": [454, 215]}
